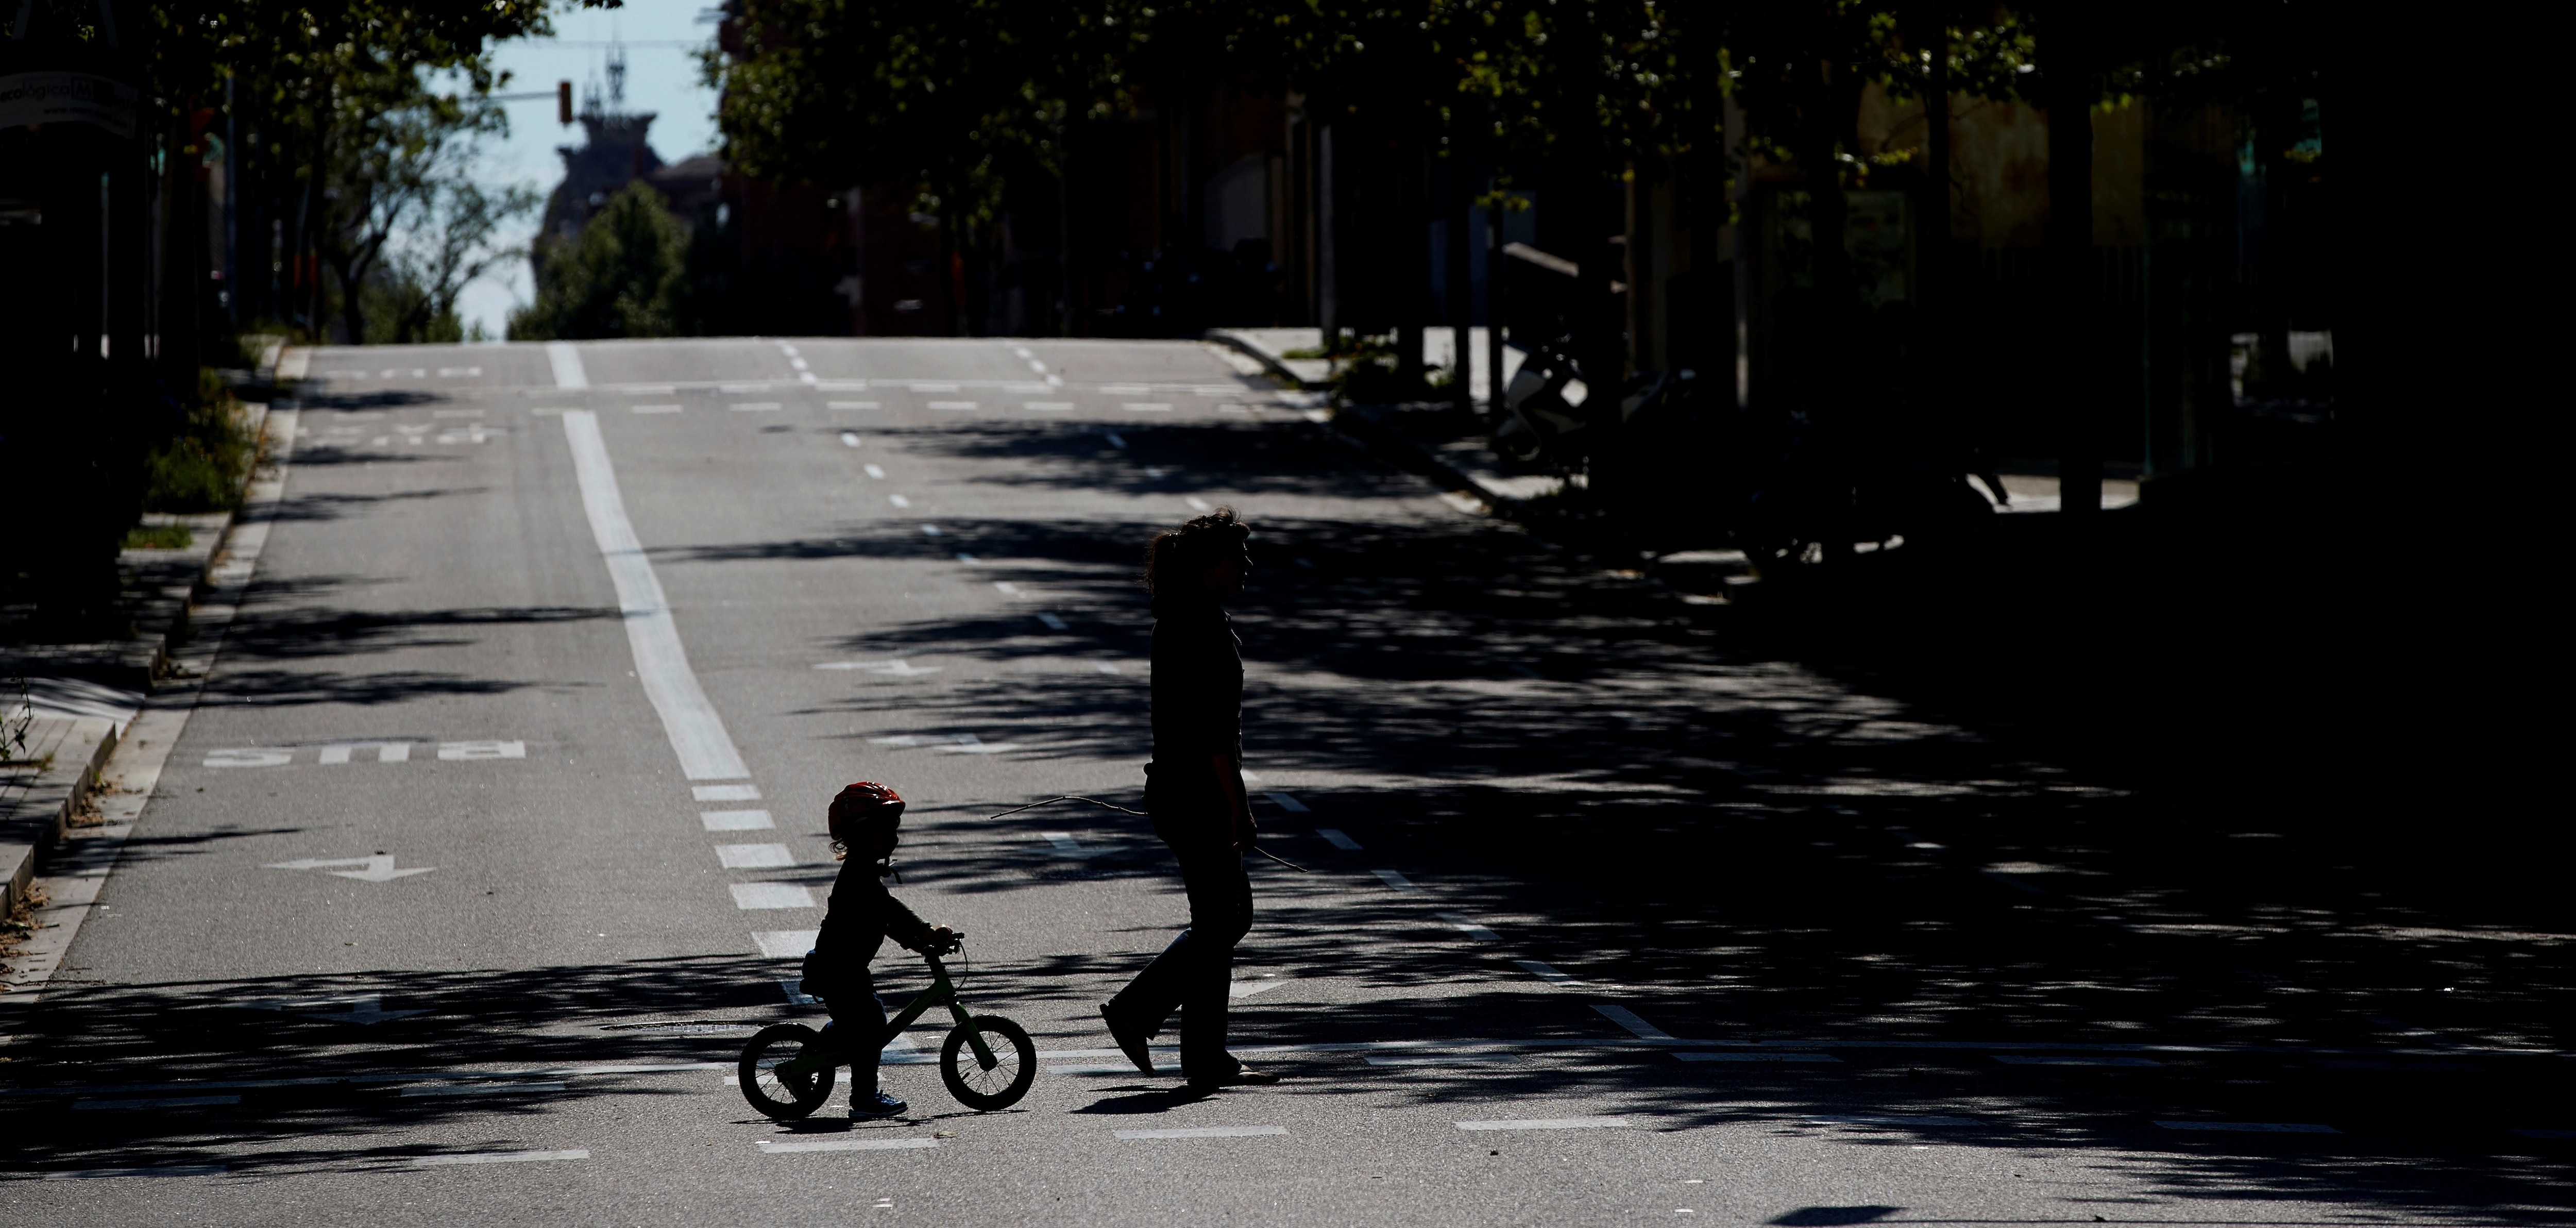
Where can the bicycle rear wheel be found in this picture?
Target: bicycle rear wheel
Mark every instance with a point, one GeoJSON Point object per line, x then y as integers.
{"type": "Point", "coordinates": [789, 1097]}
{"type": "Point", "coordinates": [1015, 1065]}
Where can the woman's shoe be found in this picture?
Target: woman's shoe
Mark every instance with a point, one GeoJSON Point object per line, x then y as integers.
{"type": "Point", "coordinates": [1131, 1041]}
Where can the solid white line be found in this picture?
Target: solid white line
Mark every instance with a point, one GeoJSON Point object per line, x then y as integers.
{"type": "Point", "coordinates": [567, 364]}
{"type": "Point", "coordinates": [1550, 1123]}
{"type": "Point", "coordinates": [480, 1089]}
{"type": "Point", "coordinates": [1203, 1132]}
{"type": "Point", "coordinates": [847, 1144]}
{"type": "Point", "coordinates": [736, 820]}
{"type": "Point", "coordinates": [171, 1170]}
{"type": "Point", "coordinates": [725, 793]}
{"type": "Point", "coordinates": [697, 733]}
{"type": "Point", "coordinates": [1333, 836]}
{"type": "Point", "coordinates": [164, 1102]}
{"type": "Point", "coordinates": [500, 1157]}
{"type": "Point", "coordinates": [1628, 1019]}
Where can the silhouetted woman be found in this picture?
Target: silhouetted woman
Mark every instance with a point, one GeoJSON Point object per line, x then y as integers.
{"type": "Point", "coordinates": [1194, 792]}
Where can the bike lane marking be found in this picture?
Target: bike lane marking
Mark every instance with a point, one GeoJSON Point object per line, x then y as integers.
{"type": "Point", "coordinates": [1201, 1132]}
{"type": "Point", "coordinates": [771, 1147]}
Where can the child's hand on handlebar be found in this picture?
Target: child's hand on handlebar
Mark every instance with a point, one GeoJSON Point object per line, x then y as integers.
{"type": "Point", "coordinates": [941, 940]}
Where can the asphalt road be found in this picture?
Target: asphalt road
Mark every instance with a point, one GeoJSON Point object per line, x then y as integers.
{"type": "Point", "coordinates": [501, 820]}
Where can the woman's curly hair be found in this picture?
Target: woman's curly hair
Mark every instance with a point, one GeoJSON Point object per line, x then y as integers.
{"type": "Point", "coordinates": [1201, 541]}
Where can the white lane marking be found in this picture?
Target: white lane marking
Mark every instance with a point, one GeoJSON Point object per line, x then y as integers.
{"type": "Point", "coordinates": [1022, 352]}
{"type": "Point", "coordinates": [753, 407]}
{"type": "Point", "coordinates": [1202, 1131]}
{"type": "Point", "coordinates": [1198, 504]}
{"type": "Point", "coordinates": [742, 387]}
{"type": "Point", "coordinates": [1625, 1018]}
{"type": "Point", "coordinates": [567, 364]}
{"type": "Point", "coordinates": [754, 856]}
{"type": "Point", "coordinates": [784, 944]}
{"type": "Point", "coordinates": [250, 756]}
{"type": "Point", "coordinates": [934, 387]}
{"type": "Point", "coordinates": [1052, 622]}
{"type": "Point", "coordinates": [854, 405]}
{"type": "Point", "coordinates": [1043, 406]}
{"type": "Point", "coordinates": [845, 1144]}
{"type": "Point", "coordinates": [735, 820]}
{"type": "Point", "coordinates": [1006, 588]}
{"type": "Point", "coordinates": [479, 1089]}
{"type": "Point", "coordinates": [724, 793]}
{"type": "Point", "coordinates": [376, 869]}
{"type": "Point", "coordinates": [696, 731]}
{"type": "Point", "coordinates": [967, 744]}
{"type": "Point", "coordinates": [1154, 408]}
{"type": "Point", "coordinates": [926, 739]}
{"type": "Point", "coordinates": [500, 1157]}
{"type": "Point", "coordinates": [1758, 1057]}
{"type": "Point", "coordinates": [875, 471]}
{"type": "Point", "coordinates": [930, 530]}
{"type": "Point", "coordinates": [456, 371]}
{"type": "Point", "coordinates": [898, 500]}
{"type": "Point", "coordinates": [2070, 1059]}
{"type": "Point", "coordinates": [386, 752]}
{"type": "Point", "coordinates": [952, 405]}
{"type": "Point", "coordinates": [1395, 880]}
{"type": "Point", "coordinates": [652, 409]}
{"type": "Point", "coordinates": [850, 439]}
{"type": "Point", "coordinates": [967, 559]}
{"type": "Point", "coordinates": [161, 1102]}
{"type": "Point", "coordinates": [890, 669]}
{"type": "Point", "coordinates": [794, 988]}
{"type": "Point", "coordinates": [1247, 988]}
{"type": "Point", "coordinates": [1462, 503]}
{"type": "Point", "coordinates": [1290, 804]}
{"type": "Point", "coordinates": [1333, 836]}
{"type": "Point", "coordinates": [749, 896]}
{"type": "Point", "coordinates": [1125, 390]}
{"type": "Point", "coordinates": [166, 1170]}
{"type": "Point", "coordinates": [2253, 1127]}
{"type": "Point", "coordinates": [797, 363]}
{"type": "Point", "coordinates": [787, 349]}
{"type": "Point", "coordinates": [1447, 1059]}
{"type": "Point", "coordinates": [1106, 667]}
{"type": "Point", "coordinates": [1115, 439]}
{"type": "Point", "coordinates": [495, 748]}
{"type": "Point", "coordinates": [1469, 928]}
{"type": "Point", "coordinates": [1882, 1119]}
{"type": "Point", "coordinates": [1545, 973]}
{"type": "Point", "coordinates": [1064, 845]}
{"type": "Point", "coordinates": [1551, 1123]}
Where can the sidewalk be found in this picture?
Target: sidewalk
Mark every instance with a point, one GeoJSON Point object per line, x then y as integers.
{"type": "Point", "coordinates": [82, 697]}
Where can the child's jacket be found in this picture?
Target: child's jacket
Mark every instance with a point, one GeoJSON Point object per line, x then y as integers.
{"type": "Point", "coordinates": [861, 916]}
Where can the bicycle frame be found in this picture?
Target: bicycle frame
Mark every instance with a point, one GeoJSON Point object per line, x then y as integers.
{"type": "Point", "coordinates": [941, 993]}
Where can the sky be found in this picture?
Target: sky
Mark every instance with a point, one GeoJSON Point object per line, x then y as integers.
{"type": "Point", "coordinates": [661, 77]}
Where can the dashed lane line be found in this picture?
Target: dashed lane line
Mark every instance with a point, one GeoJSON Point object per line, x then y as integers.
{"type": "Point", "coordinates": [790, 1147]}
{"type": "Point", "coordinates": [736, 820]}
{"type": "Point", "coordinates": [724, 793]}
{"type": "Point", "coordinates": [1629, 1019]}
{"type": "Point", "coordinates": [750, 896]}
{"type": "Point", "coordinates": [1333, 836]}
{"type": "Point", "coordinates": [1551, 1123]}
{"type": "Point", "coordinates": [499, 1157]}
{"type": "Point", "coordinates": [1201, 1132]}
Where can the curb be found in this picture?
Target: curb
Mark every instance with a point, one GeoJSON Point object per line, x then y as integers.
{"type": "Point", "coordinates": [1361, 423]}
{"type": "Point", "coordinates": [1269, 362]}
{"type": "Point", "coordinates": [38, 818]}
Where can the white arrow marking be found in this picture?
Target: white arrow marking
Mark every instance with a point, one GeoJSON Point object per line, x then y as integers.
{"type": "Point", "coordinates": [376, 869]}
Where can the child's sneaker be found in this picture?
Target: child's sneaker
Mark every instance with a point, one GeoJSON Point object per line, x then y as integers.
{"type": "Point", "coordinates": [883, 1104]}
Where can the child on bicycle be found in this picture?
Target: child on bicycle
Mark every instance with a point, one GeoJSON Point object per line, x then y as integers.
{"type": "Point", "coordinates": [866, 819]}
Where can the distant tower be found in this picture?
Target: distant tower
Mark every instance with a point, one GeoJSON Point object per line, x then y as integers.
{"type": "Point", "coordinates": [615, 154]}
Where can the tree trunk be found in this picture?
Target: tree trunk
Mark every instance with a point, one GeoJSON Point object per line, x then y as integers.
{"type": "Point", "coordinates": [1413, 247]}
{"type": "Point", "coordinates": [2070, 241]}
{"type": "Point", "coordinates": [1929, 31]}
{"type": "Point", "coordinates": [1462, 286]}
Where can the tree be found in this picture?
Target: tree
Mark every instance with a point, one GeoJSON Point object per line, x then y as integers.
{"type": "Point", "coordinates": [426, 270]}
{"type": "Point", "coordinates": [625, 275]}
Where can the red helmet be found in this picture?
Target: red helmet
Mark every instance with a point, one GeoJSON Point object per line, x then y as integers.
{"type": "Point", "coordinates": [863, 806]}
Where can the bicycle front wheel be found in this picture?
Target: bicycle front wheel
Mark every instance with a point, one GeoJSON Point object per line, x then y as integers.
{"type": "Point", "coordinates": [1015, 1065]}
{"type": "Point", "coordinates": [784, 1097]}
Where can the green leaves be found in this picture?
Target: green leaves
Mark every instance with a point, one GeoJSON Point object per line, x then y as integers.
{"type": "Point", "coordinates": [624, 276]}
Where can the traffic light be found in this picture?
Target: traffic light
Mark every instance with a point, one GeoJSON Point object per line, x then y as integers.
{"type": "Point", "coordinates": [563, 102]}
